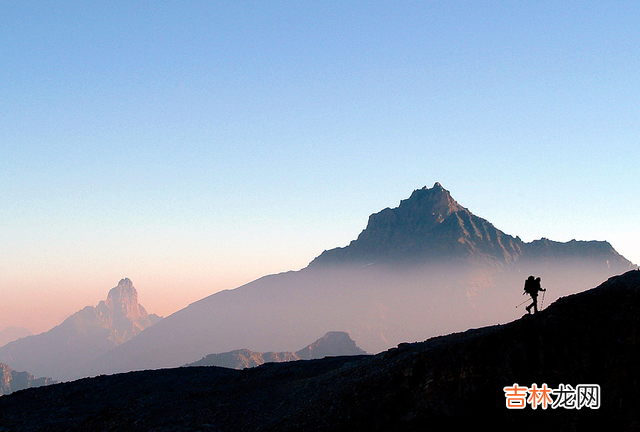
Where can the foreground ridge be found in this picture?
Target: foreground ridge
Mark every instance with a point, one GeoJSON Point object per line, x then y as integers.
{"type": "Point", "coordinates": [449, 381]}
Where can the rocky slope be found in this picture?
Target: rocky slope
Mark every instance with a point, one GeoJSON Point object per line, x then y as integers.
{"type": "Point", "coordinates": [452, 382]}
{"type": "Point", "coordinates": [331, 344]}
{"type": "Point", "coordinates": [12, 381]}
{"type": "Point", "coordinates": [85, 335]}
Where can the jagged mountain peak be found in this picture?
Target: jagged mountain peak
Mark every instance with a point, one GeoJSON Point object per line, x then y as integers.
{"type": "Point", "coordinates": [125, 287]}
{"type": "Point", "coordinates": [428, 225]}
{"type": "Point", "coordinates": [123, 299]}
{"type": "Point", "coordinates": [122, 313]}
{"type": "Point", "coordinates": [436, 202]}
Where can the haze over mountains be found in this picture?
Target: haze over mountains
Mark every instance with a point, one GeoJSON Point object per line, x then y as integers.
{"type": "Point", "coordinates": [425, 268]}
{"type": "Point", "coordinates": [453, 382]}
{"type": "Point", "coordinates": [85, 335]}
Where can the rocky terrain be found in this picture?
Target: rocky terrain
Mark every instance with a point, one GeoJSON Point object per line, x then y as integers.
{"type": "Point", "coordinates": [331, 344]}
{"type": "Point", "coordinates": [90, 332]}
{"type": "Point", "coordinates": [445, 383]}
{"type": "Point", "coordinates": [11, 380]}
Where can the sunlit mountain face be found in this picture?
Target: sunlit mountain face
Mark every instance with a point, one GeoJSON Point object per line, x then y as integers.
{"type": "Point", "coordinates": [61, 352]}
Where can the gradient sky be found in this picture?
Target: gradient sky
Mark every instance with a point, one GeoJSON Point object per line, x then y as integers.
{"type": "Point", "coordinates": [196, 146]}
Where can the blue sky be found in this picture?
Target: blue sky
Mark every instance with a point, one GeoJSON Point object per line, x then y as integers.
{"type": "Point", "coordinates": [195, 147]}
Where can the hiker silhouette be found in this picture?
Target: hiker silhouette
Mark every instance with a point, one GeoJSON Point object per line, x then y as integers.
{"type": "Point", "coordinates": [532, 287]}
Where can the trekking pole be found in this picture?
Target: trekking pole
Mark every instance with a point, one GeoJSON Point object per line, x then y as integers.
{"type": "Point", "coordinates": [522, 303]}
{"type": "Point", "coordinates": [542, 302]}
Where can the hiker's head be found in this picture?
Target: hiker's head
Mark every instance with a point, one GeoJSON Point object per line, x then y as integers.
{"type": "Point", "coordinates": [530, 278]}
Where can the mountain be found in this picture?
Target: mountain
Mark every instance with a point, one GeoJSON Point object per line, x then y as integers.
{"type": "Point", "coordinates": [122, 314]}
{"type": "Point", "coordinates": [430, 226]}
{"type": "Point", "coordinates": [425, 268]}
{"type": "Point", "coordinates": [12, 381]}
{"type": "Point", "coordinates": [452, 382]}
{"type": "Point", "coordinates": [85, 335]}
{"type": "Point", "coordinates": [9, 334]}
{"type": "Point", "coordinates": [331, 344]}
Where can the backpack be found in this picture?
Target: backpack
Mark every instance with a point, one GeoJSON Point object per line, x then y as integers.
{"type": "Point", "coordinates": [530, 285]}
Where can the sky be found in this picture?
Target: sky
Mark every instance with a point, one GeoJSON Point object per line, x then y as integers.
{"type": "Point", "coordinates": [197, 146]}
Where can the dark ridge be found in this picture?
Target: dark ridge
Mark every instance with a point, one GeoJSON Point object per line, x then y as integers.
{"type": "Point", "coordinates": [449, 382]}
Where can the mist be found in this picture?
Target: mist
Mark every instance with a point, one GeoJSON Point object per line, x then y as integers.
{"type": "Point", "coordinates": [378, 306]}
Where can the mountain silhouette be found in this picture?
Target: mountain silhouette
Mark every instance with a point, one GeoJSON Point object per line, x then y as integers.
{"type": "Point", "coordinates": [85, 335]}
{"type": "Point", "coordinates": [331, 344]}
{"type": "Point", "coordinates": [430, 226]}
{"type": "Point", "coordinates": [450, 382]}
{"type": "Point", "coordinates": [425, 268]}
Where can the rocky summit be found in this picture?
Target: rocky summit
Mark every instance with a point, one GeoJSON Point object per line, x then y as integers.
{"type": "Point", "coordinates": [122, 314]}
{"type": "Point", "coordinates": [584, 347]}
{"type": "Point", "coordinates": [61, 352]}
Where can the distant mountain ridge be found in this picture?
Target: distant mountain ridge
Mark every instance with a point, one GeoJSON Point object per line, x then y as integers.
{"type": "Point", "coordinates": [331, 344]}
{"type": "Point", "coordinates": [12, 381]}
{"type": "Point", "coordinates": [430, 226]}
{"type": "Point", "coordinates": [85, 335]}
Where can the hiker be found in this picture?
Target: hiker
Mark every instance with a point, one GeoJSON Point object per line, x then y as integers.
{"type": "Point", "coordinates": [532, 286]}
